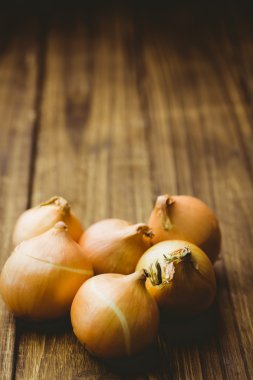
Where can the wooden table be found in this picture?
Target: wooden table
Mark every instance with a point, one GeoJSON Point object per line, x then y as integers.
{"type": "Point", "coordinates": [110, 107]}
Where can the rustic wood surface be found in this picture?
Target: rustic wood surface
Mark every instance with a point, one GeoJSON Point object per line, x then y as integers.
{"type": "Point", "coordinates": [110, 108]}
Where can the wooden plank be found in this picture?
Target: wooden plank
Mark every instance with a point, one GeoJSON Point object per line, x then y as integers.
{"type": "Point", "coordinates": [171, 175]}
{"type": "Point", "coordinates": [56, 173]}
{"type": "Point", "coordinates": [18, 83]}
{"type": "Point", "coordinates": [238, 187]}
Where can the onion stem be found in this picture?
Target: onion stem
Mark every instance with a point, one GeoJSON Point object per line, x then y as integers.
{"type": "Point", "coordinates": [159, 275]}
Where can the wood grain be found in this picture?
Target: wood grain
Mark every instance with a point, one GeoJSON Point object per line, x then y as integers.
{"type": "Point", "coordinates": [18, 84]}
{"type": "Point", "coordinates": [113, 107]}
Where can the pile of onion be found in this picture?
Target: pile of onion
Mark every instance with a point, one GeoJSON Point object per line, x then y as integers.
{"type": "Point", "coordinates": [116, 312]}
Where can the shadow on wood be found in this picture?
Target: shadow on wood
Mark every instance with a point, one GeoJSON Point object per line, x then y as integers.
{"type": "Point", "coordinates": [142, 363]}
{"type": "Point", "coordinates": [190, 331]}
{"type": "Point", "coordinates": [54, 327]}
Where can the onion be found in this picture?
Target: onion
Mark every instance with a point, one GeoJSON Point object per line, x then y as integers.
{"type": "Point", "coordinates": [41, 277]}
{"type": "Point", "coordinates": [181, 277]}
{"type": "Point", "coordinates": [186, 218]}
{"type": "Point", "coordinates": [113, 315]}
{"type": "Point", "coordinates": [115, 246]}
{"type": "Point", "coordinates": [40, 219]}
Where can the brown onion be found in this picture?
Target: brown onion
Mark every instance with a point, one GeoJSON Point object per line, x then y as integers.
{"type": "Point", "coordinates": [113, 315]}
{"type": "Point", "coordinates": [40, 219]}
{"type": "Point", "coordinates": [181, 277]}
{"type": "Point", "coordinates": [186, 218]}
{"type": "Point", "coordinates": [41, 277]}
{"type": "Point", "coordinates": [115, 246]}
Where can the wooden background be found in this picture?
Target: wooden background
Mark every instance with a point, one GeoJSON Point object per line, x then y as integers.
{"type": "Point", "coordinates": [110, 107]}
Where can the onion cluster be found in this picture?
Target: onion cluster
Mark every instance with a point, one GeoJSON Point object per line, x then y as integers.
{"type": "Point", "coordinates": [114, 272]}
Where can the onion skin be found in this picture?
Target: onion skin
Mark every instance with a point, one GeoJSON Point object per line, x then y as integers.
{"type": "Point", "coordinates": [114, 316]}
{"type": "Point", "coordinates": [192, 286]}
{"type": "Point", "coordinates": [186, 218]}
{"type": "Point", "coordinates": [41, 277]}
{"type": "Point", "coordinates": [39, 219]}
{"type": "Point", "coordinates": [115, 246]}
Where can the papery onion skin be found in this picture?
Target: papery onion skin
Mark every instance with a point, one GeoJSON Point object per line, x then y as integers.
{"type": "Point", "coordinates": [115, 246]}
{"type": "Point", "coordinates": [187, 218]}
{"type": "Point", "coordinates": [39, 219]}
{"type": "Point", "coordinates": [114, 316]}
{"type": "Point", "coordinates": [41, 277]}
{"type": "Point", "coordinates": [191, 290]}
